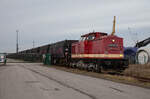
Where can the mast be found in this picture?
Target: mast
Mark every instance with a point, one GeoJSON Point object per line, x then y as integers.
{"type": "Point", "coordinates": [17, 48]}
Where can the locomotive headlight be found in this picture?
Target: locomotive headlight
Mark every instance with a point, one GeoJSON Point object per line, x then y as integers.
{"type": "Point", "coordinates": [66, 49]}
{"type": "Point", "coordinates": [113, 40]}
{"type": "Point", "coordinates": [121, 55]}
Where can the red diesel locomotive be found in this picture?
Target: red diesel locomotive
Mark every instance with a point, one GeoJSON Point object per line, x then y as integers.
{"type": "Point", "coordinates": [99, 50]}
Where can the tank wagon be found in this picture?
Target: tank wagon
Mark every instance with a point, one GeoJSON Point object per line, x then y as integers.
{"type": "Point", "coordinates": [143, 53]}
{"type": "Point", "coordinates": [140, 53]}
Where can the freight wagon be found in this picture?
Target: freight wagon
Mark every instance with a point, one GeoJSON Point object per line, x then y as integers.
{"type": "Point", "coordinates": [61, 52]}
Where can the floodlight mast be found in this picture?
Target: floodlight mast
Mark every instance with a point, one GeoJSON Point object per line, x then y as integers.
{"type": "Point", "coordinates": [17, 48]}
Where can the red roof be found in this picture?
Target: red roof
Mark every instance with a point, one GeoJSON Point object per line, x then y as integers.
{"type": "Point", "coordinates": [101, 33]}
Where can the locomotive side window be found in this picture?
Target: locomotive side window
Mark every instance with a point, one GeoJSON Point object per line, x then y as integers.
{"type": "Point", "coordinates": [82, 38]}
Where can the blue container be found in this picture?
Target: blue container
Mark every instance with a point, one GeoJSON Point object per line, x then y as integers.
{"type": "Point", "coordinates": [130, 54]}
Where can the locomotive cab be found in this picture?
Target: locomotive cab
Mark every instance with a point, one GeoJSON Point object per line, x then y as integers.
{"type": "Point", "coordinates": [85, 42]}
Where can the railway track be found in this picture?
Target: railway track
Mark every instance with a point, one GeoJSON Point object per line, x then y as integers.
{"type": "Point", "coordinates": [143, 79]}
{"type": "Point", "coordinates": [120, 73]}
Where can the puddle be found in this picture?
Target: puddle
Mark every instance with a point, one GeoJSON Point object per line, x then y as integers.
{"type": "Point", "coordinates": [32, 81]}
{"type": "Point", "coordinates": [46, 89]}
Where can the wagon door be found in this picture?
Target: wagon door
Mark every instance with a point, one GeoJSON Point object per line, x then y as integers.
{"type": "Point", "coordinates": [88, 44]}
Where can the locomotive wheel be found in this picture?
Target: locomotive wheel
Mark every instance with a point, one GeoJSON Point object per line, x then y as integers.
{"type": "Point", "coordinates": [90, 67]}
{"type": "Point", "coordinates": [74, 65]}
{"type": "Point", "coordinates": [54, 62]}
{"type": "Point", "coordinates": [87, 68]}
{"type": "Point", "coordinates": [98, 68]}
{"type": "Point", "coordinates": [80, 65]}
{"type": "Point", "coordinates": [70, 65]}
{"type": "Point", "coordinates": [94, 68]}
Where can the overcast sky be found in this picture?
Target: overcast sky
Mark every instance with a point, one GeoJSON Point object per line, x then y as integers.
{"type": "Point", "coordinates": [48, 21]}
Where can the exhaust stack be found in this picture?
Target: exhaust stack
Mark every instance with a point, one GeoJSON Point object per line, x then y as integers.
{"type": "Point", "coordinates": [114, 23]}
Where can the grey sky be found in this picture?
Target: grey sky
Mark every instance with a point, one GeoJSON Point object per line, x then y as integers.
{"type": "Point", "coordinates": [47, 21]}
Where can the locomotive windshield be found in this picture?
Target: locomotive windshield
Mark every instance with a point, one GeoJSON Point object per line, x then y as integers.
{"type": "Point", "coordinates": [91, 37]}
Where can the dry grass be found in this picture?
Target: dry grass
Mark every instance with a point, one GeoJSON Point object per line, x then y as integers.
{"type": "Point", "coordinates": [138, 71]}
{"type": "Point", "coordinates": [128, 79]}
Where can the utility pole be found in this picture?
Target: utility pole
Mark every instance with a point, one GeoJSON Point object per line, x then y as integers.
{"type": "Point", "coordinates": [17, 48]}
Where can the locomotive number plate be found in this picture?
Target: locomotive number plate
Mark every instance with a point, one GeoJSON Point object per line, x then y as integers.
{"type": "Point", "coordinates": [112, 45]}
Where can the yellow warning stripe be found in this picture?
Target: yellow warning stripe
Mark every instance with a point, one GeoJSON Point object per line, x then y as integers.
{"type": "Point", "coordinates": [97, 56]}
